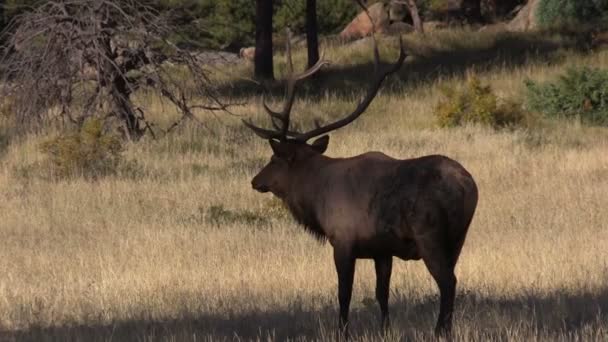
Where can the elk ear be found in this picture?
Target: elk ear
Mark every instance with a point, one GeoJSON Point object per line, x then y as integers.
{"type": "Point", "coordinates": [320, 145]}
{"type": "Point", "coordinates": [280, 150]}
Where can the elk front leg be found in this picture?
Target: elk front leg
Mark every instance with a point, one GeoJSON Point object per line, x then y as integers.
{"type": "Point", "coordinates": [345, 266]}
{"type": "Point", "coordinates": [384, 267]}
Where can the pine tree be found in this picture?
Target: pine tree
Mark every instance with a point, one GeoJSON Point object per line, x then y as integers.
{"type": "Point", "coordinates": [312, 34]}
{"type": "Point", "coordinates": [263, 66]}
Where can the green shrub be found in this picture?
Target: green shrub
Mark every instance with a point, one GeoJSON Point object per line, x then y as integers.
{"type": "Point", "coordinates": [91, 152]}
{"type": "Point", "coordinates": [579, 92]}
{"type": "Point", "coordinates": [477, 104]}
{"type": "Point", "coordinates": [211, 23]}
{"type": "Point", "coordinates": [553, 13]}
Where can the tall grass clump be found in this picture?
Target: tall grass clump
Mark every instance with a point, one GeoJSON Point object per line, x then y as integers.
{"type": "Point", "coordinates": [579, 92]}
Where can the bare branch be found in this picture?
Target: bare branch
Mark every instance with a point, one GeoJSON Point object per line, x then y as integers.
{"type": "Point", "coordinates": [88, 57]}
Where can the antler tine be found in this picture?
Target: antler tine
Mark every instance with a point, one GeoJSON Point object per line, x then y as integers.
{"type": "Point", "coordinates": [282, 132]}
{"type": "Point", "coordinates": [313, 69]}
{"type": "Point", "coordinates": [291, 92]}
{"type": "Point", "coordinates": [365, 102]}
{"type": "Point", "coordinates": [292, 80]}
{"type": "Point", "coordinates": [284, 115]}
{"type": "Point", "coordinates": [272, 113]}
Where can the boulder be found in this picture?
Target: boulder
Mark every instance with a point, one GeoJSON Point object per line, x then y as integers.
{"type": "Point", "coordinates": [361, 26]}
{"type": "Point", "coordinates": [217, 57]}
{"type": "Point", "coordinates": [247, 53]}
{"type": "Point", "coordinates": [527, 18]}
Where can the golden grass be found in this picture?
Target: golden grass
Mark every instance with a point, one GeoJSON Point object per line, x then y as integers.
{"type": "Point", "coordinates": [139, 258]}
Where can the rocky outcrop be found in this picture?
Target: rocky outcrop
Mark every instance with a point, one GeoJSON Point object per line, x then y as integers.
{"type": "Point", "coordinates": [247, 53]}
{"type": "Point", "coordinates": [361, 26]}
{"type": "Point", "coordinates": [527, 18]}
{"type": "Point", "coordinates": [217, 57]}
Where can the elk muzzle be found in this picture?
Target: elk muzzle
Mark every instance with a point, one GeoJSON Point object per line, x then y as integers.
{"type": "Point", "coordinates": [258, 186]}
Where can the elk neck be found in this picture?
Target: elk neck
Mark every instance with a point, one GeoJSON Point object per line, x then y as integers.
{"type": "Point", "coordinates": [305, 192]}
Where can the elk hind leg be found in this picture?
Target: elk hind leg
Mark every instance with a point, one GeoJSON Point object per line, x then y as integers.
{"type": "Point", "coordinates": [438, 260]}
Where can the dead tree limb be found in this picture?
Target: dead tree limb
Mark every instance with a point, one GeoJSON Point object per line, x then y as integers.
{"type": "Point", "coordinates": [414, 13]}
{"type": "Point", "coordinates": [89, 57]}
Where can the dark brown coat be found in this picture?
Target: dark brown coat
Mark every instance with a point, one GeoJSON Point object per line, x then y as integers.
{"type": "Point", "coordinates": [376, 207]}
{"type": "Point", "coordinates": [369, 206]}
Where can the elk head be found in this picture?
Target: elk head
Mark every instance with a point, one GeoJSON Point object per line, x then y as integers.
{"type": "Point", "coordinates": [291, 152]}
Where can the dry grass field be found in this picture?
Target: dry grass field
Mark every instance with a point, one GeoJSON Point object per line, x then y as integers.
{"type": "Point", "coordinates": [181, 248]}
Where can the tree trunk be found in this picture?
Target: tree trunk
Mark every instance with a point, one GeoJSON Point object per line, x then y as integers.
{"type": "Point", "coordinates": [471, 10]}
{"type": "Point", "coordinates": [413, 8]}
{"type": "Point", "coordinates": [263, 67]}
{"type": "Point", "coordinates": [1, 14]}
{"type": "Point", "coordinates": [118, 90]}
{"type": "Point", "coordinates": [123, 108]}
{"type": "Point", "coordinates": [312, 34]}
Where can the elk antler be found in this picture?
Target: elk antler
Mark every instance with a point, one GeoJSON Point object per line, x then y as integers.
{"type": "Point", "coordinates": [365, 102]}
{"type": "Point", "coordinates": [281, 132]}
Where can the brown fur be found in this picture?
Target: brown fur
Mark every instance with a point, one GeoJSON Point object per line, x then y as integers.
{"type": "Point", "coordinates": [374, 206]}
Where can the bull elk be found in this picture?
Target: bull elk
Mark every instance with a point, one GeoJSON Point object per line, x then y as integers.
{"type": "Point", "coordinates": [370, 206]}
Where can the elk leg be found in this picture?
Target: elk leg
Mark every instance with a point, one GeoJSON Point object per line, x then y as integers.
{"type": "Point", "coordinates": [447, 291]}
{"type": "Point", "coordinates": [383, 278]}
{"type": "Point", "coordinates": [345, 266]}
{"type": "Point", "coordinates": [437, 261]}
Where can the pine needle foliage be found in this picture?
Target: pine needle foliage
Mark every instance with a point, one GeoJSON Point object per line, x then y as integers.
{"type": "Point", "coordinates": [579, 92]}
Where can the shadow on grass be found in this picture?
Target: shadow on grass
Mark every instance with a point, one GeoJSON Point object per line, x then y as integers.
{"type": "Point", "coordinates": [455, 58]}
{"type": "Point", "coordinates": [553, 314]}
